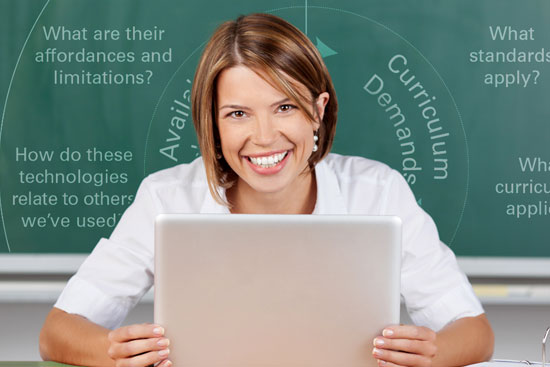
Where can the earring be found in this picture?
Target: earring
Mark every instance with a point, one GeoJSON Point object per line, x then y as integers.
{"type": "Point", "coordinates": [315, 140]}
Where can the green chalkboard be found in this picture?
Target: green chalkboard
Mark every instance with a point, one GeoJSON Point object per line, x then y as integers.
{"type": "Point", "coordinates": [453, 94]}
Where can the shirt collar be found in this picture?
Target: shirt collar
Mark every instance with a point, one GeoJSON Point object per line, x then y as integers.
{"type": "Point", "coordinates": [329, 196]}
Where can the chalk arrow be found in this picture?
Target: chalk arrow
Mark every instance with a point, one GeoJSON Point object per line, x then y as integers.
{"type": "Point", "coordinates": [324, 49]}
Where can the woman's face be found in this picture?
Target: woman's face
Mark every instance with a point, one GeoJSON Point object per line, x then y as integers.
{"type": "Point", "coordinates": [265, 138]}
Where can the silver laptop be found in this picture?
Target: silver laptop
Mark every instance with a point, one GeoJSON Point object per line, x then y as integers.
{"type": "Point", "coordinates": [276, 290]}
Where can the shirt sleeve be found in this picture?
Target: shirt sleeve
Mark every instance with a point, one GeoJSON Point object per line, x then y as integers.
{"type": "Point", "coordinates": [119, 271]}
{"type": "Point", "coordinates": [435, 290]}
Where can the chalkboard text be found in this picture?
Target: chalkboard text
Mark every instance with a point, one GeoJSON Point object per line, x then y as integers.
{"type": "Point", "coordinates": [529, 195]}
{"type": "Point", "coordinates": [77, 48]}
{"type": "Point", "coordinates": [96, 155]}
{"type": "Point", "coordinates": [65, 34]}
{"type": "Point", "coordinates": [180, 114]}
{"type": "Point", "coordinates": [538, 209]}
{"type": "Point", "coordinates": [21, 154]}
{"type": "Point", "coordinates": [30, 198]}
{"type": "Point", "coordinates": [535, 164]}
{"type": "Point", "coordinates": [62, 33]}
{"type": "Point", "coordinates": [510, 79]}
{"type": "Point", "coordinates": [374, 87]}
{"type": "Point", "coordinates": [51, 186]}
{"type": "Point", "coordinates": [513, 55]}
{"type": "Point", "coordinates": [509, 33]}
{"type": "Point", "coordinates": [47, 220]}
{"type": "Point", "coordinates": [97, 222]}
{"type": "Point", "coordinates": [428, 112]}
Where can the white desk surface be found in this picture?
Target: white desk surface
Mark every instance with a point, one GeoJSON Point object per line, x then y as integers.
{"type": "Point", "coordinates": [507, 363]}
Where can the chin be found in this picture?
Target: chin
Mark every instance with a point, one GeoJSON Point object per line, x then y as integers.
{"type": "Point", "coordinates": [268, 189]}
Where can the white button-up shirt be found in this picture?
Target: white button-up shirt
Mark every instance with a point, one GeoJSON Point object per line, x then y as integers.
{"type": "Point", "coordinates": [120, 269]}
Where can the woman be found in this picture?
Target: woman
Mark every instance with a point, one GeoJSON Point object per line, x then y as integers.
{"type": "Point", "coordinates": [265, 114]}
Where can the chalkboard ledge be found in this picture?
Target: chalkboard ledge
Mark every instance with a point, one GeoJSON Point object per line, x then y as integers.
{"type": "Point", "coordinates": [505, 267]}
{"type": "Point", "coordinates": [494, 267]}
{"type": "Point", "coordinates": [522, 281]}
{"type": "Point", "coordinates": [40, 263]}
{"type": "Point", "coordinates": [40, 291]}
{"type": "Point", "coordinates": [47, 292]}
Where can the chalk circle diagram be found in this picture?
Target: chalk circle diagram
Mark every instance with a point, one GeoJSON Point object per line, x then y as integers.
{"type": "Point", "coordinates": [430, 151]}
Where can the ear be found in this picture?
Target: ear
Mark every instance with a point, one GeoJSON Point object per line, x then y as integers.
{"type": "Point", "coordinates": [320, 104]}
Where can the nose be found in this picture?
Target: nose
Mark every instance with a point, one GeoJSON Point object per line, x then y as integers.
{"type": "Point", "coordinates": [265, 131]}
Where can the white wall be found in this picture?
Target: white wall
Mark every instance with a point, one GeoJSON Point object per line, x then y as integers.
{"type": "Point", "coordinates": [518, 329]}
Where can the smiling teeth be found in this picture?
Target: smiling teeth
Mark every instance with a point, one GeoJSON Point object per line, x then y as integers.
{"type": "Point", "coordinates": [269, 161]}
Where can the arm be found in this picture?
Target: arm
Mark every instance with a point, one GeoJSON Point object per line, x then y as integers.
{"type": "Point", "coordinates": [436, 292]}
{"type": "Point", "coordinates": [465, 341]}
{"type": "Point", "coordinates": [72, 339]}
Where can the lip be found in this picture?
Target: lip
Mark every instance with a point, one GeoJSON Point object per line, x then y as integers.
{"type": "Point", "coordinates": [269, 170]}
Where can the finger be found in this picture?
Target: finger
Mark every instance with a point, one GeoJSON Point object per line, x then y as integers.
{"type": "Point", "coordinates": [382, 363]}
{"type": "Point", "coordinates": [427, 348]}
{"type": "Point", "coordinates": [135, 347]}
{"type": "Point", "coordinates": [401, 358]}
{"type": "Point", "coordinates": [409, 332]}
{"type": "Point", "coordinates": [138, 331]}
{"type": "Point", "coordinates": [145, 359]}
{"type": "Point", "coordinates": [165, 363]}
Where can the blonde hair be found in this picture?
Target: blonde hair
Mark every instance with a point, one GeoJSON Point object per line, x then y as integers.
{"type": "Point", "coordinates": [269, 44]}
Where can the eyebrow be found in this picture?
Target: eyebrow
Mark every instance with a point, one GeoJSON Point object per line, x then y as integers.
{"type": "Point", "coordinates": [280, 102]}
{"type": "Point", "coordinates": [238, 107]}
{"type": "Point", "coordinates": [234, 106]}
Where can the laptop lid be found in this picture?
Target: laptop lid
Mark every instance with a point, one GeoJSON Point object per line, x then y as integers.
{"type": "Point", "coordinates": [276, 290]}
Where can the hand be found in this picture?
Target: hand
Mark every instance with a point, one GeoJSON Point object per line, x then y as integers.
{"type": "Point", "coordinates": [405, 345]}
{"type": "Point", "coordinates": [139, 346]}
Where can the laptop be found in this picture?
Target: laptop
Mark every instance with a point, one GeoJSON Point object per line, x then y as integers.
{"type": "Point", "coordinates": [275, 290]}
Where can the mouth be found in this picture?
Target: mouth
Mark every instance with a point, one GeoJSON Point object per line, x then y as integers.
{"type": "Point", "coordinates": [268, 161]}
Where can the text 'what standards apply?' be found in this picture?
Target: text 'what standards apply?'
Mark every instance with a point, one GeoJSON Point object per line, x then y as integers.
{"type": "Point", "coordinates": [508, 54]}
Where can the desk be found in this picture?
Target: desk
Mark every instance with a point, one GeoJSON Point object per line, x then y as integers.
{"type": "Point", "coordinates": [506, 364]}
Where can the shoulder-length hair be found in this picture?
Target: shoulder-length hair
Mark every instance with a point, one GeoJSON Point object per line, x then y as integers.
{"type": "Point", "coordinates": [268, 44]}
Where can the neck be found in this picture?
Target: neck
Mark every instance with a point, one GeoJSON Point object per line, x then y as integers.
{"type": "Point", "coordinates": [297, 199]}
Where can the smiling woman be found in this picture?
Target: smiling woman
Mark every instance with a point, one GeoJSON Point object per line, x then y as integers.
{"type": "Point", "coordinates": [264, 109]}
{"type": "Point", "coordinates": [252, 67]}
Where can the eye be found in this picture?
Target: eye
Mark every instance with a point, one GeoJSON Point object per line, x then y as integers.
{"type": "Point", "coordinates": [286, 107]}
{"type": "Point", "coordinates": [237, 114]}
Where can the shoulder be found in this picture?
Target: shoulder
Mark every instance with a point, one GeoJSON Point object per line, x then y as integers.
{"type": "Point", "coordinates": [353, 168]}
{"type": "Point", "coordinates": [361, 185]}
{"type": "Point", "coordinates": [181, 188]}
{"type": "Point", "coordinates": [190, 173]}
